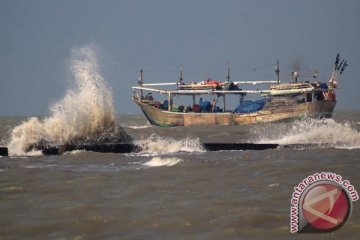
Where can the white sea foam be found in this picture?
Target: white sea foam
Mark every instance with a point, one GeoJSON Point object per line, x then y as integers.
{"type": "Point", "coordinates": [34, 153]}
{"type": "Point", "coordinates": [155, 145]}
{"type": "Point", "coordinates": [85, 114]}
{"type": "Point", "coordinates": [139, 127]}
{"type": "Point", "coordinates": [74, 152]}
{"type": "Point", "coordinates": [314, 131]}
{"type": "Point", "coordinates": [158, 161]}
{"type": "Point", "coordinates": [39, 166]}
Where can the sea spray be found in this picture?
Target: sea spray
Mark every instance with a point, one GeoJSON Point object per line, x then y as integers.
{"type": "Point", "coordinates": [310, 131]}
{"type": "Point", "coordinates": [86, 114]}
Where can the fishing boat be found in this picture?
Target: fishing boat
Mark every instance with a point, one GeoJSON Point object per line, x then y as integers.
{"type": "Point", "coordinates": [279, 101]}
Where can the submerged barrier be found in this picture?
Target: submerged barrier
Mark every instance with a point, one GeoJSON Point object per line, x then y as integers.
{"type": "Point", "coordinates": [103, 148]}
{"type": "Point", "coordinates": [130, 147]}
{"type": "Point", "coordinates": [238, 146]}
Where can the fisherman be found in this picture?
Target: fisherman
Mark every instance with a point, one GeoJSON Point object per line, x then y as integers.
{"type": "Point", "coordinates": [213, 105]}
{"type": "Point", "coordinates": [201, 104]}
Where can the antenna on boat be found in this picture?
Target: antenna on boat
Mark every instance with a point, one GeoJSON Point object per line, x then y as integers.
{"type": "Point", "coordinates": [277, 70]}
{"type": "Point", "coordinates": [228, 72]}
{"type": "Point", "coordinates": [181, 79]}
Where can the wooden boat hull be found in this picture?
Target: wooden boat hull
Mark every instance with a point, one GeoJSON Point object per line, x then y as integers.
{"type": "Point", "coordinates": [159, 117]}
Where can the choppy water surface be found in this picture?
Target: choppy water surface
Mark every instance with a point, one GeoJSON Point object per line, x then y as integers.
{"type": "Point", "coordinates": [173, 189]}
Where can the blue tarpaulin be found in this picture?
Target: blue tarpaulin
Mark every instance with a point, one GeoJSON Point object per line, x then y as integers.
{"type": "Point", "coordinates": [204, 105]}
{"type": "Point", "coordinates": [323, 86]}
{"type": "Point", "coordinates": [250, 106]}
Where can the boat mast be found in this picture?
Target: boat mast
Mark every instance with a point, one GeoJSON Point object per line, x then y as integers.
{"type": "Point", "coordinates": [333, 74]}
{"type": "Point", "coordinates": [277, 70]}
{"type": "Point", "coordinates": [228, 73]}
{"type": "Point", "coordinates": [141, 81]}
{"type": "Point", "coordinates": [181, 79]}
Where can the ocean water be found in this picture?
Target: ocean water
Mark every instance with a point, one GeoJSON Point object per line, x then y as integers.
{"type": "Point", "coordinates": [173, 189]}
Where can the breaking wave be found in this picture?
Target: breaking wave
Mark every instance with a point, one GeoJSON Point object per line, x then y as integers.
{"type": "Point", "coordinates": [325, 132]}
{"type": "Point", "coordinates": [155, 145]}
{"type": "Point", "coordinates": [86, 114]}
{"type": "Point", "coordinates": [158, 162]}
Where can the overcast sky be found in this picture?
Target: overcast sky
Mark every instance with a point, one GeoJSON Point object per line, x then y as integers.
{"type": "Point", "coordinates": [36, 39]}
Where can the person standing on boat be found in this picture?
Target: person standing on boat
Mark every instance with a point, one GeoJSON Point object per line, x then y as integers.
{"type": "Point", "coordinates": [213, 105]}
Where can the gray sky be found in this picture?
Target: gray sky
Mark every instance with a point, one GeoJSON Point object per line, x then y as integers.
{"type": "Point", "coordinates": [161, 35]}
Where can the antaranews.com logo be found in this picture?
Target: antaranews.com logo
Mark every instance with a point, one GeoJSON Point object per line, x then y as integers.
{"type": "Point", "coordinates": [322, 202]}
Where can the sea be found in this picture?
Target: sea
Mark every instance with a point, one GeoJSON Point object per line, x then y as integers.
{"type": "Point", "coordinates": [172, 188]}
